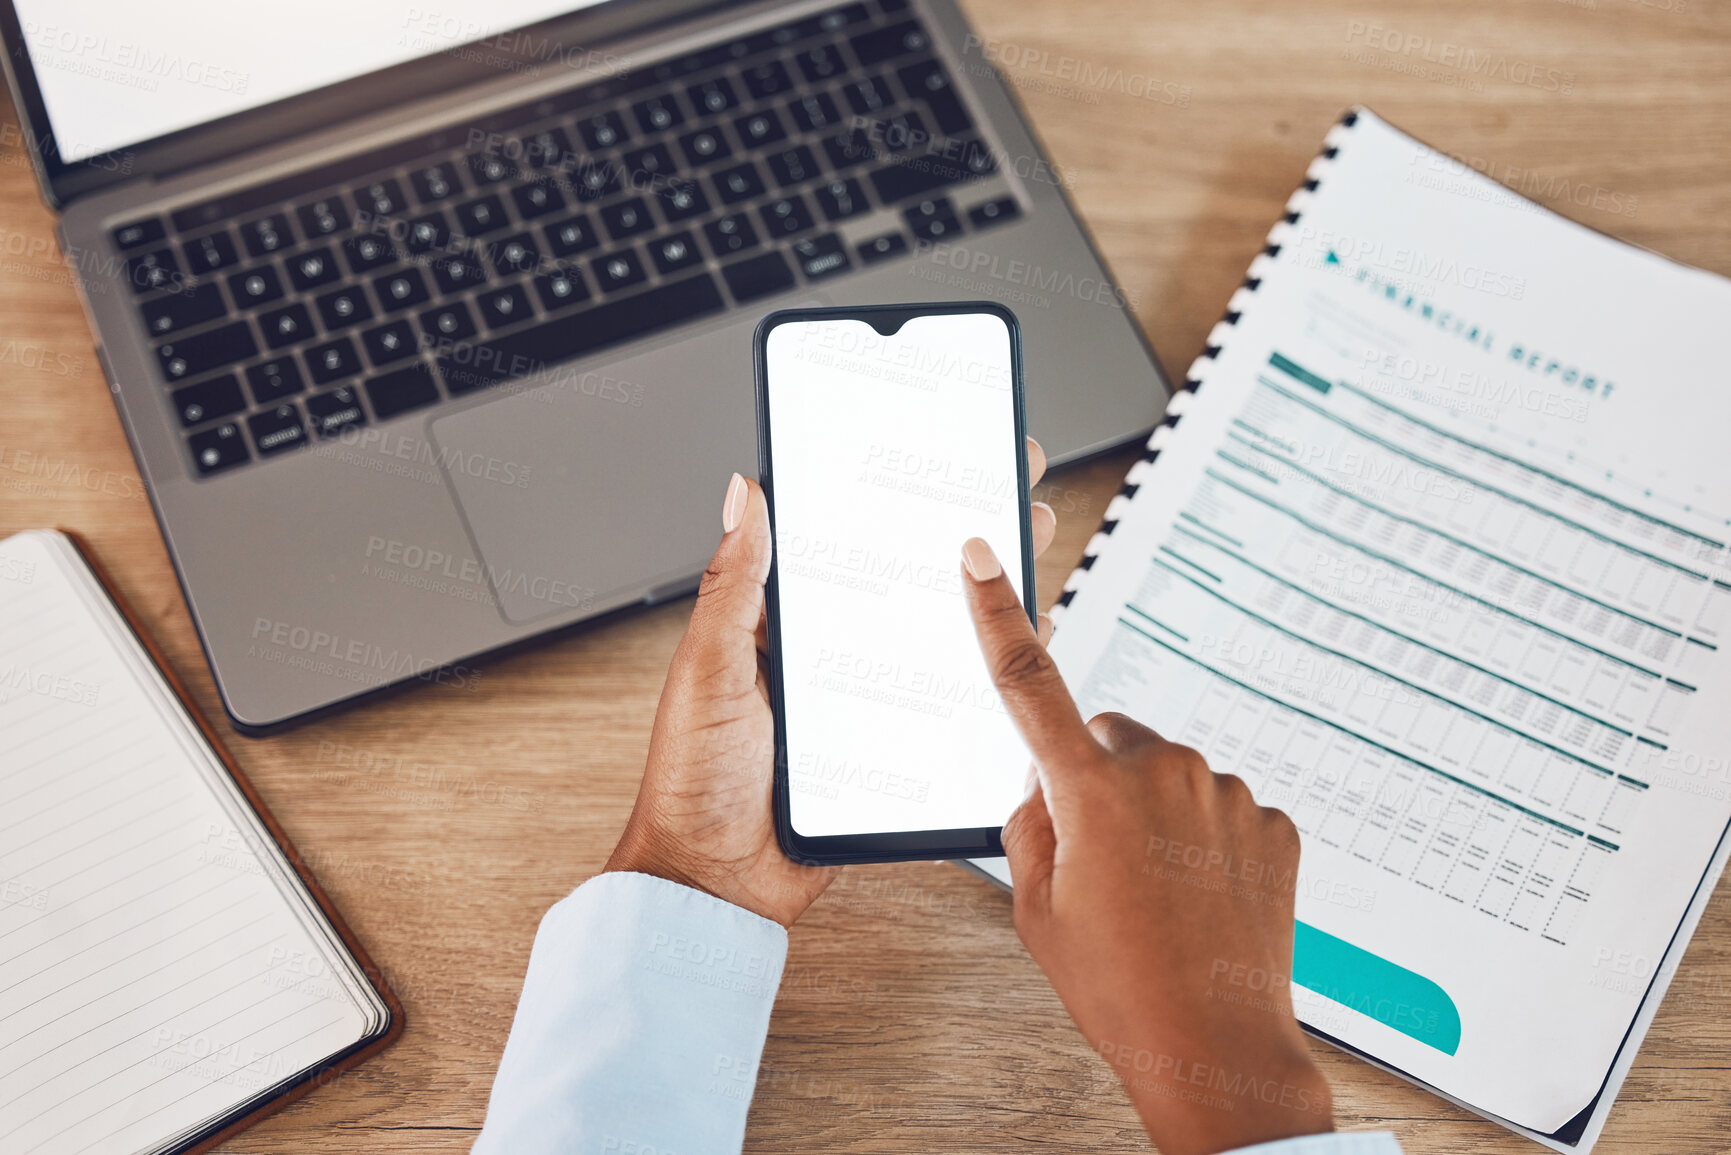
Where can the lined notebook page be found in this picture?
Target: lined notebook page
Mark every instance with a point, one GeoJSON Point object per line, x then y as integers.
{"type": "Point", "coordinates": [160, 967]}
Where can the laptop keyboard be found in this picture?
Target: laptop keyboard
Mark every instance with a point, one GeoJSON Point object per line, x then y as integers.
{"type": "Point", "coordinates": [492, 251]}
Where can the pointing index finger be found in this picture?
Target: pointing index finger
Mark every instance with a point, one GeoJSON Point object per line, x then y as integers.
{"type": "Point", "coordinates": [1025, 676]}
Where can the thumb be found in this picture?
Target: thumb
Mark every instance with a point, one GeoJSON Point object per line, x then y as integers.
{"type": "Point", "coordinates": [1031, 845]}
{"type": "Point", "coordinates": [730, 596]}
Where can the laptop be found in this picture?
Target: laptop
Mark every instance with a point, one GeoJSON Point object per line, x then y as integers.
{"type": "Point", "coordinates": [430, 325]}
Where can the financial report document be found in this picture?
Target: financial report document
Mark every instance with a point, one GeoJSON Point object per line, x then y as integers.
{"type": "Point", "coordinates": [1433, 554]}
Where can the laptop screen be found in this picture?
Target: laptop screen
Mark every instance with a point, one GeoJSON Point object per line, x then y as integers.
{"type": "Point", "coordinates": [115, 73]}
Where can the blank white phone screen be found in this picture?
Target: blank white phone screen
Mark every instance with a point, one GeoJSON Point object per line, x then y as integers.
{"type": "Point", "coordinates": [887, 453]}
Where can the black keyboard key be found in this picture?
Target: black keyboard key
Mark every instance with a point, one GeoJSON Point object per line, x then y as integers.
{"type": "Point", "coordinates": [218, 449]}
{"type": "Point", "coordinates": [926, 80]}
{"type": "Point", "coordinates": [617, 271]}
{"type": "Point", "coordinates": [603, 130]}
{"type": "Point", "coordinates": [525, 352]}
{"type": "Point", "coordinates": [318, 267]}
{"type": "Point", "coordinates": [574, 235]}
{"type": "Point", "coordinates": [255, 287]}
{"type": "Point", "coordinates": [841, 199]}
{"type": "Point", "coordinates": [713, 97]}
{"type": "Point", "coordinates": [335, 411]}
{"type": "Point", "coordinates": [479, 217]}
{"type": "Point", "coordinates": [658, 113]}
{"type": "Point", "coordinates": [597, 180]}
{"type": "Point", "coordinates": [739, 183]}
{"type": "Point", "coordinates": [760, 128]}
{"type": "Point", "coordinates": [289, 325]}
{"type": "Point", "coordinates": [676, 252]}
{"type": "Point", "coordinates": [887, 43]}
{"type": "Point", "coordinates": [767, 79]}
{"type": "Point", "coordinates": [389, 343]}
{"type": "Point", "coordinates": [344, 307]}
{"type": "Point", "coordinates": [364, 253]}
{"type": "Point", "coordinates": [506, 306]}
{"type": "Point", "coordinates": [933, 220]}
{"type": "Point", "coordinates": [644, 163]}
{"type": "Point", "coordinates": [209, 253]}
{"type": "Point", "coordinates": [785, 217]}
{"type": "Point", "coordinates": [820, 257]}
{"type": "Point", "coordinates": [903, 132]}
{"type": "Point", "coordinates": [447, 323]}
{"type": "Point", "coordinates": [994, 212]}
{"type": "Point", "coordinates": [274, 380]}
{"type": "Point", "coordinates": [183, 310]}
{"type": "Point", "coordinates": [381, 198]}
{"type": "Point", "coordinates": [758, 277]}
{"type": "Point", "coordinates": [821, 63]}
{"type": "Point", "coordinates": [278, 430]}
{"type": "Point", "coordinates": [849, 147]}
{"type": "Point", "coordinates": [153, 270]}
{"type": "Point", "coordinates": [839, 18]}
{"type": "Point", "coordinates": [793, 166]}
{"type": "Point", "coordinates": [434, 183]}
{"type": "Point", "coordinates": [490, 168]}
{"type": "Point", "coordinates": [561, 289]}
{"type": "Point", "coordinates": [217, 397]}
{"type": "Point", "coordinates": [267, 235]}
{"type": "Point", "coordinates": [138, 233]}
{"type": "Point", "coordinates": [188, 357]}
{"type": "Point", "coordinates": [683, 199]}
{"type": "Point", "coordinates": [549, 148]}
{"type": "Point", "coordinates": [402, 390]}
{"type": "Point", "coordinates": [815, 113]}
{"type": "Point", "coordinates": [869, 96]}
{"type": "Point", "coordinates": [729, 235]}
{"type": "Point", "coordinates": [537, 199]}
{"type": "Point", "coordinates": [898, 182]}
{"type": "Point", "coordinates": [627, 218]}
{"type": "Point", "coordinates": [426, 233]}
{"type": "Point", "coordinates": [457, 273]}
{"type": "Point", "coordinates": [402, 289]}
{"type": "Point", "coordinates": [332, 360]}
{"type": "Point", "coordinates": [323, 218]}
{"type": "Point", "coordinates": [705, 146]}
{"type": "Point", "coordinates": [882, 248]}
{"type": "Point", "coordinates": [515, 255]}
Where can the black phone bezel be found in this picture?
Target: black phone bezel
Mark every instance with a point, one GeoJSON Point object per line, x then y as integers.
{"type": "Point", "coordinates": [893, 846]}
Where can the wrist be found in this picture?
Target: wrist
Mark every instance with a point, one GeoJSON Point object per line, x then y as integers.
{"type": "Point", "coordinates": [1194, 1100]}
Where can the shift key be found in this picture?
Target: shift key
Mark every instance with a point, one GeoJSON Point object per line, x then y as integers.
{"type": "Point", "coordinates": [192, 356]}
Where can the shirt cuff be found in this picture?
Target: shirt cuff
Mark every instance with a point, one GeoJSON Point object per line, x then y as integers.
{"type": "Point", "coordinates": [641, 1023]}
{"type": "Point", "coordinates": [1335, 1143]}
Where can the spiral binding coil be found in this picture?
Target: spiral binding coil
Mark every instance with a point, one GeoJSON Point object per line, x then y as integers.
{"type": "Point", "coordinates": [1198, 371]}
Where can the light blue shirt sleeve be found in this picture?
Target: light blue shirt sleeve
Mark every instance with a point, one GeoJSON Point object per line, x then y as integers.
{"type": "Point", "coordinates": [1338, 1143]}
{"type": "Point", "coordinates": [640, 1025]}
{"type": "Point", "coordinates": [642, 1021]}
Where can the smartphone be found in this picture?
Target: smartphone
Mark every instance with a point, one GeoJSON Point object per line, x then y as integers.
{"type": "Point", "coordinates": [887, 437]}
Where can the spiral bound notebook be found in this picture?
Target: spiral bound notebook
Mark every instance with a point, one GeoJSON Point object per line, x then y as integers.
{"type": "Point", "coordinates": [168, 973]}
{"type": "Point", "coordinates": [1431, 550]}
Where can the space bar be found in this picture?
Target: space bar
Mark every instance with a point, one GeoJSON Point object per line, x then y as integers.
{"type": "Point", "coordinates": [527, 355]}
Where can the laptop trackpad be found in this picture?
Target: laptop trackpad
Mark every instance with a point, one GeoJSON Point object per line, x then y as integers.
{"type": "Point", "coordinates": [589, 487]}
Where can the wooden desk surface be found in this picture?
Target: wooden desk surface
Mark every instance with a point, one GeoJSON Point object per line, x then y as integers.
{"type": "Point", "coordinates": [910, 1019]}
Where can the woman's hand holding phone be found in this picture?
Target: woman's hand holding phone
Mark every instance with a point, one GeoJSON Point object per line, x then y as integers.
{"type": "Point", "coordinates": [704, 815]}
{"type": "Point", "coordinates": [1147, 887]}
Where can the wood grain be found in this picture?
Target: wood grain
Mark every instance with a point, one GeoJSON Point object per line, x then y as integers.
{"type": "Point", "coordinates": [445, 823]}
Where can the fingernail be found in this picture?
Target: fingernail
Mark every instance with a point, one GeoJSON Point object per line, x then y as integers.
{"type": "Point", "coordinates": [733, 505]}
{"type": "Point", "coordinates": [980, 560]}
